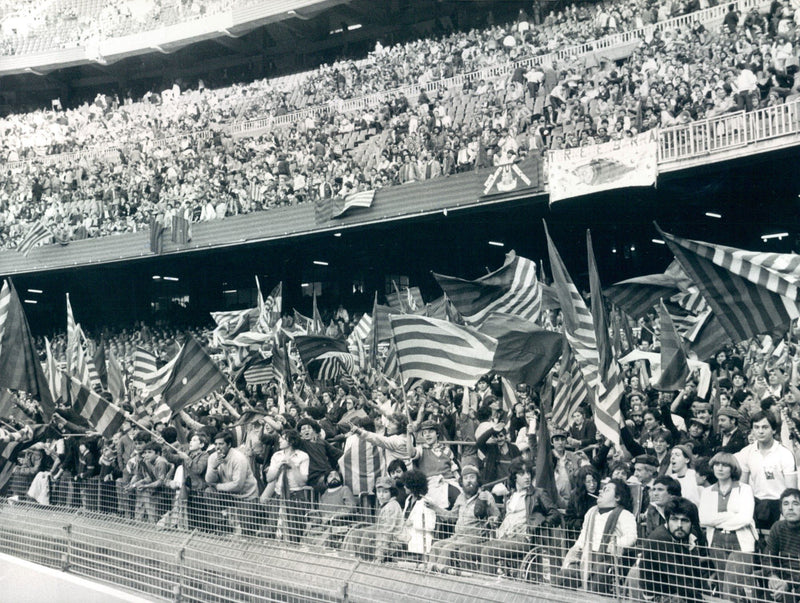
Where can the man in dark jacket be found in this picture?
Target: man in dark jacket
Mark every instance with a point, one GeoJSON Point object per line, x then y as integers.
{"type": "Point", "coordinates": [673, 563]}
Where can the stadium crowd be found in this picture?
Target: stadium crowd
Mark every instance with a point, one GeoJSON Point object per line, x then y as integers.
{"type": "Point", "coordinates": [700, 497]}
{"type": "Point", "coordinates": [167, 167]}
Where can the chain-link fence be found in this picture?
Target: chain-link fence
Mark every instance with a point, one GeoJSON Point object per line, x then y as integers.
{"type": "Point", "coordinates": [332, 546]}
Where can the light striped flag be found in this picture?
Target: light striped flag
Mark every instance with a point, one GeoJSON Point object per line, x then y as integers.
{"type": "Point", "coordinates": [607, 411]}
{"type": "Point", "coordinates": [357, 199]}
{"type": "Point", "coordinates": [361, 465]}
{"type": "Point", "coordinates": [391, 367]}
{"type": "Point", "coordinates": [73, 341]}
{"type": "Point", "coordinates": [104, 417]}
{"type": "Point", "coordinates": [260, 372]}
{"type": "Point", "coordinates": [578, 325]}
{"type": "Point", "coordinates": [317, 327]}
{"type": "Point", "coordinates": [93, 373]}
{"type": "Point", "coordinates": [438, 350]}
{"type": "Point", "coordinates": [691, 300]}
{"type": "Point", "coordinates": [571, 390]}
{"type": "Point", "coordinates": [407, 300]}
{"type": "Point", "coordinates": [193, 377]}
{"type": "Point", "coordinates": [749, 292]}
{"type": "Point", "coordinates": [37, 234]}
{"type": "Point", "coordinates": [362, 329]}
{"type": "Point", "coordinates": [155, 383]}
{"type": "Point", "coordinates": [512, 289]}
{"type": "Point", "coordinates": [144, 365]}
{"type": "Point", "coordinates": [116, 378]}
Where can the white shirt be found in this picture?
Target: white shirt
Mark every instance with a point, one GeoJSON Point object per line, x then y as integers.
{"type": "Point", "coordinates": [768, 469]}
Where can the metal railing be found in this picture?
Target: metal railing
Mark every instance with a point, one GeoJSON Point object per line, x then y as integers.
{"type": "Point", "coordinates": [727, 132]}
{"type": "Point", "coordinates": [200, 545]}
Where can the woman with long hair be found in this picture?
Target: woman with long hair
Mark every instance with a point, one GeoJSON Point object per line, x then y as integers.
{"type": "Point", "coordinates": [583, 498]}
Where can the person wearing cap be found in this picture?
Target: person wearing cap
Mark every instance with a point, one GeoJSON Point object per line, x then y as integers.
{"type": "Point", "coordinates": [498, 452]}
{"type": "Point", "coordinates": [474, 512]}
{"type": "Point", "coordinates": [379, 542]}
{"type": "Point", "coordinates": [645, 470]}
{"type": "Point", "coordinates": [726, 513]}
{"type": "Point", "coordinates": [565, 465]}
{"type": "Point", "coordinates": [729, 436]}
{"type": "Point", "coordinates": [437, 462]}
{"type": "Point", "coordinates": [680, 461]}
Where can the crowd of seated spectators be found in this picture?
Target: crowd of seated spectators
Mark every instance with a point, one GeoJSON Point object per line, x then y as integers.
{"type": "Point", "coordinates": [699, 498]}
{"type": "Point", "coordinates": [38, 26]}
{"type": "Point", "coordinates": [673, 77]}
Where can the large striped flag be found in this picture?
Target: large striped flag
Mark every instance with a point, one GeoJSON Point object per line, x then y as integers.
{"type": "Point", "coordinates": [35, 235]}
{"type": "Point", "coordinates": [358, 199]}
{"type": "Point", "coordinates": [638, 296]}
{"type": "Point", "coordinates": [571, 390]}
{"type": "Point", "coordinates": [578, 325]}
{"type": "Point", "coordinates": [144, 365]}
{"type": "Point", "coordinates": [750, 292]}
{"type": "Point", "coordinates": [674, 366]}
{"type": "Point", "coordinates": [512, 289]}
{"type": "Point", "coordinates": [311, 347]}
{"type": "Point", "coordinates": [438, 350]}
{"type": "Point", "coordinates": [361, 464]}
{"type": "Point", "coordinates": [19, 362]}
{"type": "Point", "coordinates": [193, 377]}
{"type": "Point", "coordinates": [362, 329]}
{"type": "Point", "coordinates": [103, 416]}
{"type": "Point", "coordinates": [607, 411]}
{"type": "Point", "coordinates": [156, 381]}
{"type": "Point", "coordinates": [259, 372]}
{"type": "Point", "coordinates": [116, 378]}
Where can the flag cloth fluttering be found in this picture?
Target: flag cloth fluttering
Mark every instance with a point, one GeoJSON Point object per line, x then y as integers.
{"type": "Point", "coordinates": [194, 376]}
{"type": "Point", "coordinates": [438, 350]}
{"type": "Point", "coordinates": [749, 292]}
{"type": "Point", "coordinates": [35, 235]}
{"type": "Point", "coordinates": [104, 417]}
{"type": "Point", "coordinates": [512, 289]}
{"type": "Point", "coordinates": [20, 368]}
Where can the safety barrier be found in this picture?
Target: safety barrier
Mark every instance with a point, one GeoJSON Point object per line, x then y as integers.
{"type": "Point", "coordinates": [207, 545]}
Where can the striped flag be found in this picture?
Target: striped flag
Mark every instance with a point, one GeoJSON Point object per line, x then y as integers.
{"type": "Point", "coordinates": [311, 347]}
{"type": "Point", "coordinates": [99, 358]}
{"type": "Point", "coordinates": [330, 366]}
{"type": "Point", "coordinates": [607, 411]}
{"type": "Point", "coordinates": [193, 377]}
{"type": "Point", "coordinates": [104, 417]}
{"type": "Point", "coordinates": [362, 329]}
{"type": "Point", "coordinates": [361, 464]}
{"type": "Point", "coordinates": [391, 367]}
{"type": "Point", "coordinates": [571, 390]}
{"type": "Point", "coordinates": [51, 371]}
{"type": "Point", "coordinates": [674, 366]}
{"type": "Point", "coordinates": [93, 373]}
{"type": "Point", "coordinates": [578, 325]}
{"type": "Point", "coordinates": [181, 230]}
{"type": "Point", "coordinates": [116, 379]}
{"type": "Point", "coordinates": [438, 350]}
{"type": "Point", "coordinates": [749, 292]}
{"type": "Point", "coordinates": [37, 234]}
{"type": "Point", "coordinates": [512, 289]}
{"type": "Point", "coordinates": [144, 365]}
{"type": "Point", "coordinates": [19, 362]}
{"type": "Point", "coordinates": [156, 235]}
{"type": "Point", "coordinates": [301, 322]}
{"type": "Point", "coordinates": [156, 381]}
{"type": "Point", "coordinates": [259, 372]}
{"type": "Point", "coordinates": [5, 300]}
{"type": "Point", "coordinates": [358, 199]}
{"type": "Point", "coordinates": [73, 341]}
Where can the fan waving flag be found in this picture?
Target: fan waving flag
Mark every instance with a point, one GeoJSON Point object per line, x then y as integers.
{"type": "Point", "coordinates": [37, 234]}
{"type": "Point", "coordinates": [437, 350]}
{"type": "Point", "coordinates": [750, 292]}
{"type": "Point", "coordinates": [512, 289]}
{"type": "Point", "coordinates": [103, 416]}
{"type": "Point", "coordinates": [19, 363]}
{"type": "Point", "coordinates": [674, 367]}
{"type": "Point", "coordinates": [193, 377]}
{"type": "Point", "coordinates": [607, 411]}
